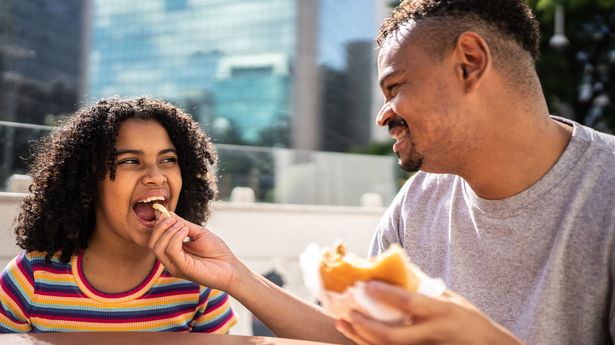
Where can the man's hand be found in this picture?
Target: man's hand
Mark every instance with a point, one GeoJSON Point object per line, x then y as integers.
{"type": "Point", "coordinates": [206, 259]}
{"type": "Point", "coordinates": [448, 319]}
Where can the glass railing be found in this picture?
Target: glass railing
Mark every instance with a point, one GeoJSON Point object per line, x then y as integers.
{"type": "Point", "coordinates": [274, 175]}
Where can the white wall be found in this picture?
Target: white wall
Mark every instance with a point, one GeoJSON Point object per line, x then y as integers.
{"type": "Point", "coordinates": [265, 236]}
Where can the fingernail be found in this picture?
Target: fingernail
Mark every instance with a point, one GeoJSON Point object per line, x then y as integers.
{"type": "Point", "coordinates": [169, 220]}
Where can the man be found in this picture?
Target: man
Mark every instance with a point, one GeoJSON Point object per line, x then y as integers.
{"type": "Point", "coordinates": [511, 207]}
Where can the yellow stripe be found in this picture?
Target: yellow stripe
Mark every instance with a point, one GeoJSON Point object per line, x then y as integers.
{"type": "Point", "coordinates": [221, 310]}
{"type": "Point", "coordinates": [225, 329]}
{"type": "Point", "coordinates": [22, 327]}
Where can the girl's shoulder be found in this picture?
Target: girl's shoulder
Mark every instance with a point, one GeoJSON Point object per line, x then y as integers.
{"type": "Point", "coordinates": [38, 260]}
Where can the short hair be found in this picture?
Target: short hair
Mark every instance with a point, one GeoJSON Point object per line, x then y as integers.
{"type": "Point", "coordinates": [511, 18]}
{"type": "Point", "coordinates": [508, 26]}
{"type": "Point", "coordinates": [58, 215]}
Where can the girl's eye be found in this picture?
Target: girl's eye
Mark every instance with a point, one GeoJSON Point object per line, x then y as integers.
{"type": "Point", "coordinates": [169, 160]}
{"type": "Point", "coordinates": [128, 161]}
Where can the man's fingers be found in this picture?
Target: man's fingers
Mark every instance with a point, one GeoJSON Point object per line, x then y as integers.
{"type": "Point", "coordinates": [414, 304]}
{"type": "Point", "coordinates": [174, 249]}
{"type": "Point", "coordinates": [159, 229]}
{"type": "Point", "coordinates": [161, 244]}
{"type": "Point", "coordinates": [378, 332]}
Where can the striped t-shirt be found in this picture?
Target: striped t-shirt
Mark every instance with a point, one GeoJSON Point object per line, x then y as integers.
{"type": "Point", "coordinates": [39, 296]}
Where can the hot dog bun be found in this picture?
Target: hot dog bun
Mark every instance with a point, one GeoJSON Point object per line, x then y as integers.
{"type": "Point", "coordinates": [340, 271]}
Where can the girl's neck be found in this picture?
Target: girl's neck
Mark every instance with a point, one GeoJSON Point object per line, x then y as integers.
{"type": "Point", "coordinates": [116, 268]}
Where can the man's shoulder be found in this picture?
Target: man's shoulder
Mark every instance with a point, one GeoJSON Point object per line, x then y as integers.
{"type": "Point", "coordinates": [596, 139]}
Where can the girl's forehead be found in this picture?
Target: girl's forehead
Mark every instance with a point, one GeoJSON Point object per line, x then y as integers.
{"type": "Point", "coordinates": [148, 132]}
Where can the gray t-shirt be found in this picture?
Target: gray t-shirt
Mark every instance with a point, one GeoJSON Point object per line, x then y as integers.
{"type": "Point", "coordinates": [541, 263]}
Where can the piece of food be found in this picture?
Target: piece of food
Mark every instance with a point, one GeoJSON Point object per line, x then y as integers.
{"type": "Point", "coordinates": [340, 270]}
{"type": "Point", "coordinates": [162, 209]}
{"type": "Point", "coordinates": [166, 214]}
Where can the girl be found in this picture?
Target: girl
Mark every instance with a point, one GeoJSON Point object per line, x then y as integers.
{"type": "Point", "coordinates": [86, 224]}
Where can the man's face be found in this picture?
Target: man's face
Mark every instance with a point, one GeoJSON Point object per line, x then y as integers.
{"type": "Point", "coordinates": [421, 106]}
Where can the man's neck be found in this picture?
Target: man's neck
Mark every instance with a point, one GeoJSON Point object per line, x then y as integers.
{"type": "Point", "coordinates": [516, 156]}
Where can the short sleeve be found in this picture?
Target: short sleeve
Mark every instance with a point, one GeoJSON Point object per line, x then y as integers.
{"type": "Point", "coordinates": [214, 313]}
{"type": "Point", "coordinates": [388, 229]}
{"type": "Point", "coordinates": [16, 292]}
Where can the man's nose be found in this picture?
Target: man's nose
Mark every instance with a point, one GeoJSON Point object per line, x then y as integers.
{"type": "Point", "coordinates": [385, 114]}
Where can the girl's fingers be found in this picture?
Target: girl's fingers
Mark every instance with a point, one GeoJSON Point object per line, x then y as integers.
{"type": "Point", "coordinates": [348, 331]}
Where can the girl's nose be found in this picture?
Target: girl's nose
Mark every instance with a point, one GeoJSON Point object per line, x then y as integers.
{"type": "Point", "coordinates": [154, 175]}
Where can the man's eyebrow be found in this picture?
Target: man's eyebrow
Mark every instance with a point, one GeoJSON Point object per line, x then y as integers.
{"type": "Point", "coordinates": [386, 76]}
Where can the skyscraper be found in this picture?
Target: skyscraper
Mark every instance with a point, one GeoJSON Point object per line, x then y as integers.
{"type": "Point", "coordinates": [41, 46]}
{"type": "Point", "coordinates": [40, 58]}
{"type": "Point", "coordinates": [247, 69]}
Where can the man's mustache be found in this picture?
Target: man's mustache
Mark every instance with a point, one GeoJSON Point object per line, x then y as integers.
{"type": "Point", "coordinates": [397, 123]}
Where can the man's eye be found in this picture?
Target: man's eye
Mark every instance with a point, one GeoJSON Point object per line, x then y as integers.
{"type": "Point", "coordinates": [393, 88]}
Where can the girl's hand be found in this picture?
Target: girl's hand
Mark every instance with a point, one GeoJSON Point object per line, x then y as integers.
{"type": "Point", "coordinates": [206, 259]}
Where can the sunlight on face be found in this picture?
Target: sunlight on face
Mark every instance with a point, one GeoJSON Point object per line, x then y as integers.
{"type": "Point", "coordinates": [147, 169]}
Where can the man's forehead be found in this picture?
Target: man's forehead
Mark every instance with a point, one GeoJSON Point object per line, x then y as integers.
{"type": "Point", "coordinates": [395, 41]}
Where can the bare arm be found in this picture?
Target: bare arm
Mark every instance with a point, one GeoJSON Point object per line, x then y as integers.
{"type": "Point", "coordinates": [208, 261]}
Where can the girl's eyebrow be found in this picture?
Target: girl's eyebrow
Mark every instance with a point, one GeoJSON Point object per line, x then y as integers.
{"type": "Point", "coordinates": [123, 152]}
{"type": "Point", "coordinates": [169, 150]}
{"type": "Point", "coordinates": [140, 152]}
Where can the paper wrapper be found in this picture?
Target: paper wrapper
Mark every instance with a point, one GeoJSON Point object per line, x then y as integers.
{"type": "Point", "coordinates": [355, 298]}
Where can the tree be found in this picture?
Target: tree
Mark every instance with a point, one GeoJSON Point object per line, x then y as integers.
{"type": "Point", "coordinates": [577, 78]}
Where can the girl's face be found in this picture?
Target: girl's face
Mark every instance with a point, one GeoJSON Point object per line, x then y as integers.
{"type": "Point", "coordinates": [147, 169]}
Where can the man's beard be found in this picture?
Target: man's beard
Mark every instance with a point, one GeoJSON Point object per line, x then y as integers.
{"type": "Point", "coordinates": [412, 160]}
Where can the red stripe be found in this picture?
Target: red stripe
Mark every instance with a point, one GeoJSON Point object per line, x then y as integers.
{"type": "Point", "coordinates": [172, 293]}
{"type": "Point", "coordinates": [59, 294]}
{"type": "Point", "coordinates": [50, 269]}
{"type": "Point", "coordinates": [222, 324]}
{"type": "Point", "coordinates": [11, 293]}
{"type": "Point", "coordinates": [24, 272]}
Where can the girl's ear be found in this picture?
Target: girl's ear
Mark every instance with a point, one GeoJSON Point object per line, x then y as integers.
{"type": "Point", "coordinates": [473, 60]}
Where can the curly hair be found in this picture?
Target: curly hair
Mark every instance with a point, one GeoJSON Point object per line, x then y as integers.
{"type": "Point", "coordinates": [512, 18]}
{"type": "Point", "coordinates": [58, 215]}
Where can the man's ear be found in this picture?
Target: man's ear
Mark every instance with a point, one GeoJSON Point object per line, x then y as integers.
{"type": "Point", "coordinates": [473, 60]}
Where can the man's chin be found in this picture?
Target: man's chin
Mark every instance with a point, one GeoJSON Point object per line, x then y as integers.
{"type": "Point", "coordinates": [410, 165]}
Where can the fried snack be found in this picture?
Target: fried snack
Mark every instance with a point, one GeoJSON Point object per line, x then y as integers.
{"type": "Point", "coordinates": [340, 271]}
{"type": "Point", "coordinates": [162, 209]}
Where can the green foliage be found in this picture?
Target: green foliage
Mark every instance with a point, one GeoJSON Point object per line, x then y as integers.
{"type": "Point", "coordinates": [578, 79]}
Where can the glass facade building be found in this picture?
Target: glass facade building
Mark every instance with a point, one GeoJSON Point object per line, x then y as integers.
{"type": "Point", "coordinates": [249, 70]}
{"type": "Point", "coordinates": [41, 44]}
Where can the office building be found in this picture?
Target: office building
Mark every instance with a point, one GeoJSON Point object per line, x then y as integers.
{"type": "Point", "coordinates": [248, 70]}
{"type": "Point", "coordinates": [41, 70]}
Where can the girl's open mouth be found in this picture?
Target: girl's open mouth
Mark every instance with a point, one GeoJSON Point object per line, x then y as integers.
{"type": "Point", "coordinates": [144, 210]}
